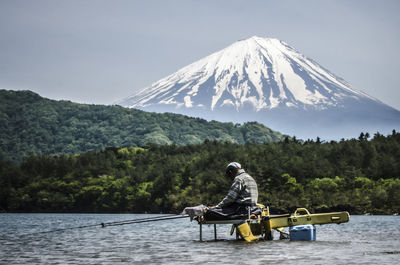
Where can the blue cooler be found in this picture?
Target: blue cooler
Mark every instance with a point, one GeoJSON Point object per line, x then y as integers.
{"type": "Point", "coordinates": [302, 232]}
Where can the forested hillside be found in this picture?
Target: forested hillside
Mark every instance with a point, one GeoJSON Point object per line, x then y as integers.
{"type": "Point", "coordinates": [358, 175]}
{"type": "Point", "coordinates": [32, 125]}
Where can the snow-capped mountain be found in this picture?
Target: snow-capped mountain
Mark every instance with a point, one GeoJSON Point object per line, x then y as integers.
{"type": "Point", "coordinates": [268, 81]}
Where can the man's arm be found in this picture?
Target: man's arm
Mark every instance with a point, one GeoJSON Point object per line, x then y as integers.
{"type": "Point", "coordinates": [232, 195]}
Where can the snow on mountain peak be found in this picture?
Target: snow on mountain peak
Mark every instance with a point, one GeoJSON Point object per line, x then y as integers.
{"type": "Point", "coordinates": [263, 72]}
{"type": "Point", "coordinates": [266, 80]}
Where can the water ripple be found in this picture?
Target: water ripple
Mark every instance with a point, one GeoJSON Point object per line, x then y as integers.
{"type": "Point", "coordinates": [364, 240]}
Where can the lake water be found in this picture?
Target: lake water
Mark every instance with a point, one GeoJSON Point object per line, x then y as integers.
{"type": "Point", "coordinates": [364, 240]}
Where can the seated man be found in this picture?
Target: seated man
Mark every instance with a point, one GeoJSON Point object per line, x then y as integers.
{"type": "Point", "coordinates": [241, 198]}
{"type": "Point", "coordinates": [242, 195]}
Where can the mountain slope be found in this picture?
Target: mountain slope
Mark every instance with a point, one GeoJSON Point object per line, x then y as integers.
{"type": "Point", "coordinates": [35, 125]}
{"type": "Point", "coordinates": [268, 81]}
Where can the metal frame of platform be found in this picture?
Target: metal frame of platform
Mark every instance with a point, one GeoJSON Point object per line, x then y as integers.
{"type": "Point", "coordinates": [224, 222]}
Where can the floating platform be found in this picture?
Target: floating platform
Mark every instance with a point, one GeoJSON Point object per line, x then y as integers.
{"type": "Point", "coordinates": [263, 225]}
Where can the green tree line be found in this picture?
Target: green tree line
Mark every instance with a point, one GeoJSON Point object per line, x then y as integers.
{"type": "Point", "coordinates": [358, 175]}
{"type": "Point", "coordinates": [32, 125]}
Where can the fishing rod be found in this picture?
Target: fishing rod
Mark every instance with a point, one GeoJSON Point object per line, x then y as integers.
{"type": "Point", "coordinates": [116, 223]}
{"type": "Point", "coordinates": [134, 220]}
{"type": "Point", "coordinates": [137, 221]}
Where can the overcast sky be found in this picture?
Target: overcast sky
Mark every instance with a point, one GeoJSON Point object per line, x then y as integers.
{"type": "Point", "coordinates": [93, 51]}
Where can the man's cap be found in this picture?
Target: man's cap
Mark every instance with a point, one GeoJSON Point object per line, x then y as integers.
{"type": "Point", "coordinates": [234, 165]}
